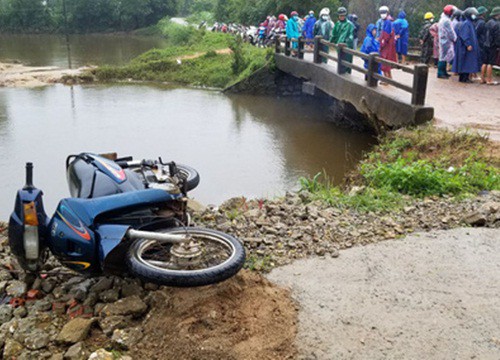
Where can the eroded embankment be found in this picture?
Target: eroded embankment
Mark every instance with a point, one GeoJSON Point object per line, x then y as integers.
{"type": "Point", "coordinates": [63, 314]}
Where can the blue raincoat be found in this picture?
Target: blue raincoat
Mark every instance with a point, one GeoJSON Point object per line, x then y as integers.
{"type": "Point", "coordinates": [401, 30]}
{"type": "Point", "coordinates": [292, 31]}
{"type": "Point", "coordinates": [370, 44]}
{"type": "Point", "coordinates": [308, 30]}
{"type": "Point", "coordinates": [466, 62]}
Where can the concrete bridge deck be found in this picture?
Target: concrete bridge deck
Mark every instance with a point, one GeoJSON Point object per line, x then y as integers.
{"type": "Point", "coordinates": [456, 105]}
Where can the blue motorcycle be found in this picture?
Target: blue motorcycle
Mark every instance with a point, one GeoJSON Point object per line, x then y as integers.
{"type": "Point", "coordinates": [124, 216]}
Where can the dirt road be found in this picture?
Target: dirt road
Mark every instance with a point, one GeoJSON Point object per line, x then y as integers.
{"type": "Point", "coordinates": [430, 296]}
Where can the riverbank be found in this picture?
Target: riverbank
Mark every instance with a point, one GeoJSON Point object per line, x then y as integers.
{"type": "Point", "coordinates": [19, 75]}
{"type": "Point", "coordinates": [122, 318]}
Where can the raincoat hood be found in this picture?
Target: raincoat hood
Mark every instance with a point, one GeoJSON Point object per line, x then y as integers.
{"type": "Point", "coordinates": [402, 15]}
{"type": "Point", "coordinates": [369, 30]}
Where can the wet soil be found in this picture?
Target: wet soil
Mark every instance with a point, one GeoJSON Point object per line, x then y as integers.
{"type": "Point", "coordinates": [245, 317]}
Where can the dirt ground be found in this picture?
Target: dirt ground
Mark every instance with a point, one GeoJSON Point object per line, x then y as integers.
{"type": "Point", "coordinates": [245, 317]}
{"type": "Point", "coordinates": [18, 75]}
{"type": "Point", "coordinates": [430, 296]}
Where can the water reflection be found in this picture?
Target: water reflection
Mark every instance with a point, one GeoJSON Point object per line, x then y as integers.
{"type": "Point", "coordinates": [52, 50]}
{"type": "Point", "coordinates": [242, 145]}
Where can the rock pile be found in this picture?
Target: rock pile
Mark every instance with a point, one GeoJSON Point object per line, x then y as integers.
{"type": "Point", "coordinates": [275, 232]}
{"type": "Point", "coordinates": [61, 315]}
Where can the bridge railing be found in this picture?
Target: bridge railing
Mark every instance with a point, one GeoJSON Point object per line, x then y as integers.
{"type": "Point", "coordinates": [420, 72]}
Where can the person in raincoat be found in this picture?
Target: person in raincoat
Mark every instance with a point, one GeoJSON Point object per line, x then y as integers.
{"type": "Point", "coordinates": [434, 30]}
{"type": "Point", "coordinates": [467, 56]}
{"type": "Point", "coordinates": [323, 28]}
{"type": "Point", "coordinates": [280, 24]}
{"type": "Point", "coordinates": [492, 44]}
{"type": "Point", "coordinates": [343, 33]}
{"type": "Point", "coordinates": [402, 34]}
{"type": "Point", "coordinates": [481, 32]}
{"type": "Point", "coordinates": [371, 44]}
{"type": "Point", "coordinates": [426, 39]}
{"type": "Point", "coordinates": [308, 31]}
{"type": "Point", "coordinates": [354, 19]}
{"type": "Point", "coordinates": [292, 30]}
{"type": "Point", "coordinates": [447, 38]}
{"type": "Point", "coordinates": [387, 40]}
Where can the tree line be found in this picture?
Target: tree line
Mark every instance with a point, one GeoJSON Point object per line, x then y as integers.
{"type": "Point", "coordinates": [83, 16]}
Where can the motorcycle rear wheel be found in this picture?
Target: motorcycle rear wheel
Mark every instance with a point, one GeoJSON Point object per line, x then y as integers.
{"type": "Point", "coordinates": [190, 175]}
{"type": "Point", "coordinates": [216, 257]}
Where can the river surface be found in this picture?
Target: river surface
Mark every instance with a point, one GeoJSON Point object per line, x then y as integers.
{"type": "Point", "coordinates": [52, 50]}
{"type": "Point", "coordinates": [241, 145]}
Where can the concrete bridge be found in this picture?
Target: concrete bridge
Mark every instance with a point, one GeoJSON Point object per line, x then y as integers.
{"type": "Point", "coordinates": [396, 104]}
{"type": "Point", "coordinates": [413, 96]}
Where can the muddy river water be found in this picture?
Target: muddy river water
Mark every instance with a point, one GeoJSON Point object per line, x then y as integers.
{"type": "Point", "coordinates": [241, 145]}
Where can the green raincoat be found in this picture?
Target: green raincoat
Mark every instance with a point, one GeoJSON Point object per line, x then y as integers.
{"type": "Point", "coordinates": [343, 33]}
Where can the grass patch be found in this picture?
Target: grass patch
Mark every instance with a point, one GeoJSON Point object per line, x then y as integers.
{"type": "Point", "coordinates": [414, 163]}
{"type": "Point", "coordinates": [200, 64]}
{"type": "Point", "coordinates": [255, 263]}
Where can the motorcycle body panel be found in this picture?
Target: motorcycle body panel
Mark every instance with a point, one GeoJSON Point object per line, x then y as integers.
{"type": "Point", "coordinates": [77, 238]}
{"type": "Point", "coordinates": [93, 176]}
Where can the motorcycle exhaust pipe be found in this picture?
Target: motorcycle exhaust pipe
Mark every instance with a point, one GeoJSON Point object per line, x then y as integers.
{"type": "Point", "coordinates": [162, 237]}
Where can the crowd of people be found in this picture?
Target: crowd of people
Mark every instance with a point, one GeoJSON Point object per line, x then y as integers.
{"type": "Point", "coordinates": [462, 42]}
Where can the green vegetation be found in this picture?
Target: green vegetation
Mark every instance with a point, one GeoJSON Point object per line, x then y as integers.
{"type": "Point", "coordinates": [83, 16]}
{"type": "Point", "coordinates": [191, 60]}
{"type": "Point", "coordinates": [256, 263]}
{"type": "Point", "coordinates": [418, 163]}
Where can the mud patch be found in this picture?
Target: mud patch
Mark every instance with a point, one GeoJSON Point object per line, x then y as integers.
{"type": "Point", "coordinates": [246, 317]}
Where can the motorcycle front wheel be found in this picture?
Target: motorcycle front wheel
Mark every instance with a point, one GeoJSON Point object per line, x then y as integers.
{"type": "Point", "coordinates": [210, 257]}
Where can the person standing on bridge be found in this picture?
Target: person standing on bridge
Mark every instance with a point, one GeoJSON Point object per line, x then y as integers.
{"type": "Point", "coordinates": [354, 19]}
{"type": "Point", "coordinates": [323, 28]}
{"type": "Point", "coordinates": [447, 38]}
{"type": "Point", "coordinates": [481, 34]}
{"type": "Point", "coordinates": [292, 30]}
{"type": "Point", "coordinates": [280, 24]}
{"type": "Point", "coordinates": [426, 39]}
{"type": "Point", "coordinates": [371, 44]}
{"type": "Point", "coordinates": [492, 44]}
{"type": "Point", "coordinates": [387, 40]}
{"type": "Point", "coordinates": [343, 33]}
{"type": "Point", "coordinates": [402, 34]}
{"type": "Point", "coordinates": [308, 31]}
{"type": "Point", "coordinates": [467, 57]}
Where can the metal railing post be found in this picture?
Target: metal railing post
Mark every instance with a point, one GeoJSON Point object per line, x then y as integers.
{"type": "Point", "coordinates": [372, 69]}
{"type": "Point", "coordinates": [277, 45]}
{"type": "Point", "coordinates": [317, 49]}
{"type": "Point", "coordinates": [287, 46]}
{"type": "Point", "coordinates": [419, 84]}
{"type": "Point", "coordinates": [340, 68]}
{"type": "Point", "coordinates": [300, 47]}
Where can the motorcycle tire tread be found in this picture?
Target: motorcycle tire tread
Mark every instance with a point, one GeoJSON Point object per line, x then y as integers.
{"type": "Point", "coordinates": [203, 278]}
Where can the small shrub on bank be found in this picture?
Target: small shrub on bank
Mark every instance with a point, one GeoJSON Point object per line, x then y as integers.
{"type": "Point", "coordinates": [417, 163]}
